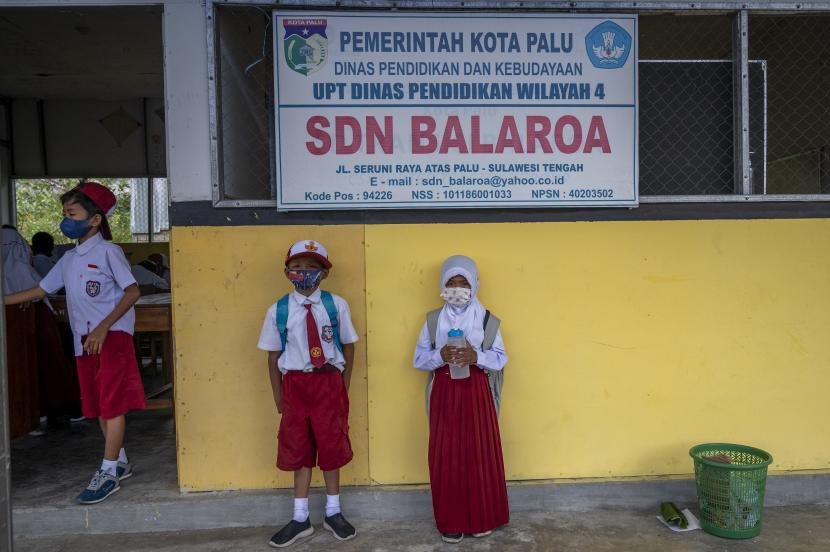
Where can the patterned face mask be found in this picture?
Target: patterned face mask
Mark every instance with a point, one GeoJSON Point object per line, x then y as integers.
{"type": "Point", "coordinates": [458, 296]}
{"type": "Point", "coordinates": [305, 278]}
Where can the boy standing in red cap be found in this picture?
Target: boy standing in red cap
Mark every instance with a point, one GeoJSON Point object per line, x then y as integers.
{"type": "Point", "coordinates": [310, 340]}
{"type": "Point", "coordinates": [100, 294]}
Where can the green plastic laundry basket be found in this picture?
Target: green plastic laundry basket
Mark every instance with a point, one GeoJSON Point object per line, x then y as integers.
{"type": "Point", "coordinates": [730, 497]}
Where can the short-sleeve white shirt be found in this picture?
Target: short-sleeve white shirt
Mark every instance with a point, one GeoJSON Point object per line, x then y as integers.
{"type": "Point", "coordinates": [95, 274]}
{"type": "Point", "coordinates": [295, 356]}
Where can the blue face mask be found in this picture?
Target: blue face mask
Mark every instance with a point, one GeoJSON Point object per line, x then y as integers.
{"type": "Point", "coordinates": [74, 229]}
{"type": "Point", "coordinates": [305, 278]}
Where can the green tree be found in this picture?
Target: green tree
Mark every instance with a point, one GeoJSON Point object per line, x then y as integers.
{"type": "Point", "coordinates": [39, 209]}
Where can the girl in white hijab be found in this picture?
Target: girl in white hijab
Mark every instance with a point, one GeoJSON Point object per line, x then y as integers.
{"type": "Point", "coordinates": [466, 468]}
{"type": "Point", "coordinates": [57, 379]}
{"type": "Point", "coordinates": [18, 271]}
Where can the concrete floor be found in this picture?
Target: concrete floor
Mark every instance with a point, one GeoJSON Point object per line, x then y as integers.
{"type": "Point", "coordinates": [38, 479]}
{"type": "Point", "coordinates": [786, 529]}
{"type": "Point", "coordinates": [48, 471]}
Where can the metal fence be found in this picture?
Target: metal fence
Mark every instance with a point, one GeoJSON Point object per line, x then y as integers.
{"type": "Point", "coordinates": [149, 206]}
{"type": "Point", "coordinates": [797, 52]}
{"type": "Point", "coordinates": [245, 82]}
{"type": "Point", "coordinates": [695, 118]}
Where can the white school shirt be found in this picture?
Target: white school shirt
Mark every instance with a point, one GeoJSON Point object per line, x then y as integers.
{"type": "Point", "coordinates": [95, 274]}
{"type": "Point", "coordinates": [295, 356]}
{"type": "Point", "coordinates": [428, 359]}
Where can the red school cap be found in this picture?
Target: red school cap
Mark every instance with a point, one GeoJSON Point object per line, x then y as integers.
{"type": "Point", "coordinates": [104, 199]}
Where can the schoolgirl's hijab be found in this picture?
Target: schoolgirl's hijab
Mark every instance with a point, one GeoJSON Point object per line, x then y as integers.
{"type": "Point", "coordinates": [468, 318]}
{"type": "Point", "coordinates": [18, 272]}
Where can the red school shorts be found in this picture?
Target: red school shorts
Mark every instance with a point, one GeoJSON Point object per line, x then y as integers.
{"type": "Point", "coordinates": [110, 381]}
{"type": "Point", "coordinates": [315, 421]}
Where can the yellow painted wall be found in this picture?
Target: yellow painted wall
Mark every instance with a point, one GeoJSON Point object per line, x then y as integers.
{"type": "Point", "coordinates": [628, 341]}
{"type": "Point", "coordinates": [224, 279]}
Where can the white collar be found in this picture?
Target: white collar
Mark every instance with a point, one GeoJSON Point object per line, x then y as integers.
{"type": "Point", "coordinates": [86, 247]}
{"type": "Point", "coordinates": [301, 299]}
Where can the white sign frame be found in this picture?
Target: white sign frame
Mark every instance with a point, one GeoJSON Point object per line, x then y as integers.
{"type": "Point", "coordinates": [318, 171]}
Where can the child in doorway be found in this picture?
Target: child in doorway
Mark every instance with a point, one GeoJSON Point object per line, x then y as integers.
{"type": "Point", "coordinates": [161, 260]}
{"type": "Point", "coordinates": [100, 294]}
{"type": "Point", "coordinates": [310, 342]}
{"type": "Point", "coordinates": [57, 386]}
{"type": "Point", "coordinates": [466, 469]}
{"type": "Point", "coordinates": [43, 244]}
{"type": "Point", "coordinates": [147, 275]}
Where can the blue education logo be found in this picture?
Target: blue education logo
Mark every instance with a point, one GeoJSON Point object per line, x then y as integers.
{"type": "Point", "coordinates": [608, 45]}
{"type": "Point", "coordinates": [305, 44]}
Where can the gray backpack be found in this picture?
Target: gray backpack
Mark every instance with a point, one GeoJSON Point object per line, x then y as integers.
{"type": "Point", "coordinates": [494, 377]}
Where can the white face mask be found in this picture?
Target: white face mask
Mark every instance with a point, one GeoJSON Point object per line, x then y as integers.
{"type": "Point", "coordinates": [458, 296]}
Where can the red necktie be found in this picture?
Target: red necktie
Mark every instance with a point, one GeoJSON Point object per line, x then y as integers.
{"type": "Point", "coordinates": [315, 347]}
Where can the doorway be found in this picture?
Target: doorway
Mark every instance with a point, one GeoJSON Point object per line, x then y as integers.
{"type": "Point", "coordinates": [81, 97]}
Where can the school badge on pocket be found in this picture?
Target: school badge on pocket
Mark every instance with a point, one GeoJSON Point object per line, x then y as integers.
{"type": "Point", "coordinates": [93, 288]}
{"type": "Point", "coordinates": [328, 334]}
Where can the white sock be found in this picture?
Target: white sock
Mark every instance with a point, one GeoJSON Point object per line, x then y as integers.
{"type": "Point", "coordinates": [332, 505]}
{"type": "Point", "coordinates": [300, 509]}
{"type": "Point", "coordinates": [122, 457]}
{"type": "Point", "coordinates": [109, 466]}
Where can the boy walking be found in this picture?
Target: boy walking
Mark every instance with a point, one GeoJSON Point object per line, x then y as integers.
{"type": "Point", "coordinates": [310, 340]}
{"type": "Point", "coordinates": [100, 294]}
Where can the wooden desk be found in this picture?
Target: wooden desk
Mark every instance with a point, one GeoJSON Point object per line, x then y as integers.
{"type": "Point", "coordinates": [149, 318]}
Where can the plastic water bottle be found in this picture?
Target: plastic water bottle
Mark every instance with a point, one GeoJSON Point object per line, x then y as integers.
{"type": "Point", "coordinates": [455, 338]}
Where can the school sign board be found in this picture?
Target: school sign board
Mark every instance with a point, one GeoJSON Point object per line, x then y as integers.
{"type": "Point", "coordinates": [458, 110]}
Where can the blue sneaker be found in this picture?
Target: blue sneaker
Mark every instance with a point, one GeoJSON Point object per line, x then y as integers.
{"type": "Point", "coordinates": [103, 485]}
{"type": "Point", "coordinates": [124, 470]}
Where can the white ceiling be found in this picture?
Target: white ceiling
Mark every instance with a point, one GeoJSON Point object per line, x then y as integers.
{"type": "Point", "coordinates": [107, 53]}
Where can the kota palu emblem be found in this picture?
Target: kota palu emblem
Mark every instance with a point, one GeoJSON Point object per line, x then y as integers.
{"type": "Point", "coordinates": [305, 44]}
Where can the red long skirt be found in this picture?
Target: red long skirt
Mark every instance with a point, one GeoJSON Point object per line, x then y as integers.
{"type": "Point", "coordinates": [466, 468]}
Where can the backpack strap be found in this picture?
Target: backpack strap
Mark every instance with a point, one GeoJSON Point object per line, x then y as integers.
{"type": "Point", "coordinates": [432, 325]}
{"type": "Point", "coordinates": [282, 320]}
{"type": "Point", "coordinates": [331, 309]}
{"type": "Point", "coordinates": [491, 328]}
{"type": "Point", "coordinates": [495, 378]}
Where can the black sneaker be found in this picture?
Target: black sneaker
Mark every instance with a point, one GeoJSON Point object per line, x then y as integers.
{"type": "Point", "coordinates": [339, 527]}
{"type": "Point", "coordinates": [452, 537]}
{"type": "Point", "coordinates": [289, 534]}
